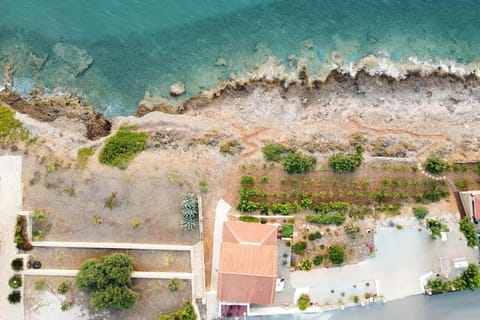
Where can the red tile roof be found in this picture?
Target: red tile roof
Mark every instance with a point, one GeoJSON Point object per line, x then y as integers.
{"type": "Point", "coordinates": [248, 263]}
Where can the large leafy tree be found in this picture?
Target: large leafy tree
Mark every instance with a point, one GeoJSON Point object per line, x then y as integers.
{"type": "Point", "coordinates": [436, 227]}
{"type": "Point", "coordinates": [468, 229]}
{"type": "Point", "coordinates": [109, 281]}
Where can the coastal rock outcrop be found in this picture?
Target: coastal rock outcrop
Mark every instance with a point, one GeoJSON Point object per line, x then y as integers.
{"type": "Point", "coordinates": [47, 108]}
{"type": "Point", "coordinates": [150, 104]}
{"type": "Point", "coordinates": [76, 58]}
{"type": "Point", "coordinates": [177, 89]}
{"type": "Point", "coordinates": [38, 61]}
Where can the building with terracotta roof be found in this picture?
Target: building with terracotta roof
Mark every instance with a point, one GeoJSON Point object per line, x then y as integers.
{"type": "Point", "coordinates": [248, 264]}
{"type": "Point", "coordinates": [471, 204]}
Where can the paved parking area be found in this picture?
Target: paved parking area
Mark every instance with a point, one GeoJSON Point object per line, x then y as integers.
{"type": "Point", "coordinates": [402, 257]}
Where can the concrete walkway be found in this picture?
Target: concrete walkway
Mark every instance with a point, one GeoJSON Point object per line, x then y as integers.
{"type": "Point", "coordinates": [112, 245]}
{"type": "Point", "coordinates": [221, 213]}
{"type": "Point", "coordinates": [10, 204]}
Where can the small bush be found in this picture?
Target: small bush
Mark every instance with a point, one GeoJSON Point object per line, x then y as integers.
{"type": "Point", "coordinates": [420, 212]}
{"type": "Point", "coordinates": [203, 185]}
{"type": "Point", "coordinates": [299, 248]}
{"type": "Point", "coordinates": [15, 282]}
{"type": "Point", "coordinates": [306, 265]}
{"type": "Point", "coordinates": [14, 297]}
{"type": "Point", "coordinates": [345, 162]}
{"type": "Point", "coordinates": [436, 228]}
{"type": "Point", "coordinates": [111, 201]}
{"type": "Point", "coordinates": [174, 284]}
{"type": "Point", "coordinates": [318, 260]}
{"type": "Point", "coordinates": [247, 181]}
{"type": "Point", "coordinates": [325, 219]}
{"type": "Point", "coordinates": [287, 230]}
{"type": "Point", "coordinates": [83, 154]}
{"type": "Point", "coordinates": [469, 231]}
{"type": "Point", "coordinates": [336, 254]}
{"type": "Point", "coordinates": [21, 238]}
{"type": "Point", "coordinates": [8, 124]}
{"type": "Point", "coordinates": [274, 151]}
{"type": "Point", "coordinates": [40, 284]}
{"type": "Point", "coordinates": [17, 264]}
{"type": "Point", "coordinates": [296, 162]}
{"type": "Point", "coordinates": [246, 218]}
{"type": "Point", "coordinates": [229, 147]}
{"type": "Point", "coordinates": [189, 207]}
{"type": "Point", "coordinates": [264, 179]}
{"type": "Point", "coordinates": [356, 299]}
{"type": "Point", "coordinates": [66, 305]}
{"type": "Point", "coordinates": [314, 236]}
{"type": "Point", "coordinates": [435, 164]}
{"type": "Point", "coordinates": [187, 313]}
{"type": "Point", "coordinates": [63, 288]}
{"type": "Point", "coordinates": [303, 301]}
{"type": "Point", "coordinates": [121, 148]}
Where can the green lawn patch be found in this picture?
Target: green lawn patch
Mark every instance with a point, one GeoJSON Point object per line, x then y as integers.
{"type": "Point", "coordinates": [287, 230]}
{"type": "Point", "coordinates": [121, 148]}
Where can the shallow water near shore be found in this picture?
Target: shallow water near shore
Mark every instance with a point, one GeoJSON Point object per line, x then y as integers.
{"type": "Point", "coordinates": [145, 46]}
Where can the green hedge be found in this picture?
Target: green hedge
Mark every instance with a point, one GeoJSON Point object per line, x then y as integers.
{"type": "Point", "coordinates": [328, 218]}
{"type": "Point", "coordinates": [187, 313]}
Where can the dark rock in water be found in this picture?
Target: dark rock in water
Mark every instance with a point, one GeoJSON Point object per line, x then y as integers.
{"type": "Point", "coordinates": [76, 58]}
{"type": "Point", "coordinates": [150, 104]}
{"type": "Point", "coordinates": [47, 109]}
{"type": "Point", "coordinates": [38, 62]}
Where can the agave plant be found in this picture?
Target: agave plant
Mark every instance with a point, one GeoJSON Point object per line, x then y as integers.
{"type": "Point", "coordinates": [189, 206]}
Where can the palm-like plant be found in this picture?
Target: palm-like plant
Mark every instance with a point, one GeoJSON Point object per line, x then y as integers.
{"type": "Point", "coordinates": [189, 206]}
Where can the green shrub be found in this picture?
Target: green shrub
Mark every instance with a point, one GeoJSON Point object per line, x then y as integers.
{"type": "Point", "coordinates": [264, 179]}
{"type": "Point", "coordinates": [187, 313]}
{"type": "Point", "coordinates": [247, 181]}
{"type": "Point", "coordinates": [436, 227]}
{"type": "Point", "coordinates": [174, 284]}
{"type": "Point", "coordinates": [314, 236]}
{"type": "Point", "coordinates": [461, 184]}
{"type": "Point", "coordinates": [287, 230]}
{"type": "Point", "coordinates": [303, 301]}
{"type": "Point", "coordinates": [111, 201]}
{"type": "Point", "coordinates": [40, 224]}
{"type": "Point", "coordinates": [8, 124]}
{"type": "Point", "coordinates": [434, 195]}
{"type": "Point", "coordinates": [40, 284]}
{"type": "Point", "coordinates": [83, 154]}
{"type": "Point", "coordinates": [345, 162]}
{"type": "Point", "coordinates": [14, 297]}
{"type": "Point", "coordinates": [63, 287]}
{"type": "Point", "coordinates": [356, 299]}
{"type": "Point", "coordinates": [435, 164]}
{"type": "Point", "coordinates": [306, 264]}
{"type": "Point", "coordinates": [336, 254]}
{"type": "Point", "coordinates": [274, 151]}
{"type": "Point", "coordinates": [20, 237]}
{"type": "Point", "coordinates": [229, 147]}
{"type": "Point", "coordinates": [109, 281]}
{"type": "Point", "coordinates": [420, 212]}
{"type": "Point", "coordinates": [467, 227]}
{"type": "Point", "coordinates": [15, 282]}
{"type": "Point", "coordinates": [203, 185]}
{"type": "Point", "coordinates": [469, 279]}
{"type": "Point", "coordinates": [17, 264]}
{"type": "Point", "coordinates": [263, 220]}
{"type": "Point", "coordinates": [282, 208]}
{"type": "Point", "coordinates": [244, 204]}
{"type": "Point", "coordinates": [122, 147]}
{"type": "Point", "coordinates": [296, 162]}
{"type": "Point", "coordinates": [299, 248]}
{"type": "Point", "coordinates": [438, 285]}
{"type": "Point", "coordinates": [66, 305]}
{"type": "Point", "coordinates": [325, 219]}
{"type": "Point", "coordinates": [248, 219]}
{"type": "Point", "coordinates": [318, 260]}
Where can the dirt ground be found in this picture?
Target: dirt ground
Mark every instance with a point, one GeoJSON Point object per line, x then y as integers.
{"type": "Point", "coordinates": [145, 260]}
{"type": "Point", "coordinates": [154, 299]}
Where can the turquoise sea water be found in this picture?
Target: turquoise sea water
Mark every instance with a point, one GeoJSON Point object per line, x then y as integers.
{"type": "Point", "coordinates": [146, 45]}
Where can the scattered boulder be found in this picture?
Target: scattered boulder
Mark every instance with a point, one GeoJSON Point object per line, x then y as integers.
{"type": "Point", "coordinates": [38, 62]}
{"type": "Point", "coordinates": [308, 44]}
{"type": "Point", "coordinates": [76, 58]}
{"type": "Point", "coordinates": [221, 62]}
{"type": "Point", "coordinates": [150, 104]}
{"type": "Point", "coordinates": [177, 89]}
{"type": "Point", "coordinates": [291, 57]}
